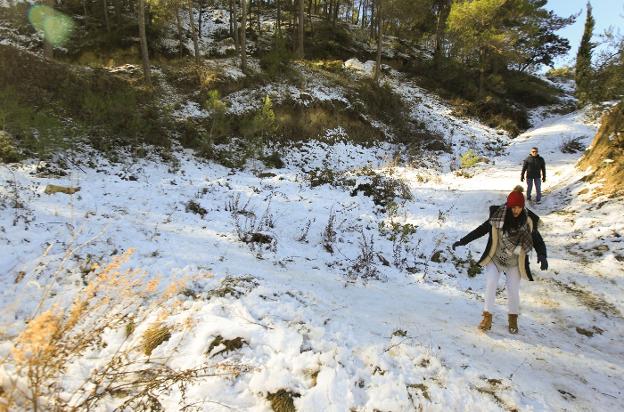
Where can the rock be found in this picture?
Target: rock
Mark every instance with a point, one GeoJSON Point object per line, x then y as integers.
{"type": "Point", "coordinates": [366, 68]}
{"type": "Point", "coordinates": [438, 257]}
{"type": "Point", "coordinates": [51, 189]}
{"type": "Point", "coordinates": [585, 332]}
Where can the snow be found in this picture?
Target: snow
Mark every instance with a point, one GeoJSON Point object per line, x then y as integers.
{"type": "Point", "coordinates": [404, 341]}
{"type": "Point", "coordinates": [367, 68]}
{"type": "Point", "coordinates": [190, 110]}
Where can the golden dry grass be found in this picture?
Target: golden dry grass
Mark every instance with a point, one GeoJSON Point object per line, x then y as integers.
{"type": "Point", "coordinates": [154, 336]}
{"type": "Point", "coordinates": [52, 339]}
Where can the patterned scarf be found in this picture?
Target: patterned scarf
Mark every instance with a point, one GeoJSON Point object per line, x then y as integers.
{"type": "Point", "coordinates": [524, 238]}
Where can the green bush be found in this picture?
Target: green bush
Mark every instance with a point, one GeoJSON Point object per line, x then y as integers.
{"type": "Point", "coordinates": [468, 159]}
{"type": "Point", "coordinates": [35, 131]}
{"type": "Point", "coordinates": [92, 103]}
{"type": "Point", "coordinates": [121, 113]}
{"type": "Point", "coordinates": [262, 123]}
{"type": "Point", "coordinates": [277, 59]}
{"type": "Point", "coordinates": [329, 41]}
{"type": "Point", "coordinates": [395, 231]}
{"type": "Point", "coordinates": [274, 160]}
{"type": "Point", "coordinates": [382, 102]}
{"type": "Point", "coordinates": [219, 123]}
{"type": "Point", "coordinates": [529, 91]}
{"type": "Point", "coordinates": [474, 268]}
{"type": "Point", "coordinates": [8, 151]}
{"type": "Point", "coordinates": [494, 112]}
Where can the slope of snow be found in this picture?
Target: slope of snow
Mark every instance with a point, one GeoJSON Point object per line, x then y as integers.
{"type": "Point", "coordinates": [310, 327]}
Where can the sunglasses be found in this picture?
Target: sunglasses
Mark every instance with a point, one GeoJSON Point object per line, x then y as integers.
{"type": "Point", "coordinates": [533, 151]}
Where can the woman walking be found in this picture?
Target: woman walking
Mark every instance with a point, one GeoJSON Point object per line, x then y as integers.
{"type": "Point", "coordinates": [513, 232]}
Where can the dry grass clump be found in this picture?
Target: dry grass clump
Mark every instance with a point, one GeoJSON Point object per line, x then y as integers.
{"type": "Point", "coordinates": [34, 375]}
{"type": "Point", "coordinates": [235, 286]}
{"type": "Point", "coordinates": [606, 153]}
{"type": "Point", "coordinates": [282, 400]}
{"type": "Point", "coordinates": [154, 336]}
{"type": "Point", "coordinates": [52, 338]}
{"type": "Point", "coordinates": [229, 345]}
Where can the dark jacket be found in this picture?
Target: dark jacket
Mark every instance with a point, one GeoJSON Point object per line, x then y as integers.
{"type": "Point", "coordinates": [532, 166]}
{"type": "Point", "coordinates": [490, 249]}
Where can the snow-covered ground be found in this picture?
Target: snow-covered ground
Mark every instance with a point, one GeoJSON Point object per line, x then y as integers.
{"type": "Point", "coordinates": [310, 325]}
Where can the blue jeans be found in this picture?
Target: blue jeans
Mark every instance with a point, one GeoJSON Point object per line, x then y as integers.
{"type": "Point", "coordinates": [538, 188]}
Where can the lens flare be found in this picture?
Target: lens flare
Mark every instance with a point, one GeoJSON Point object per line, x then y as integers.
{"type": "Point", "coordinates": [55, 26]}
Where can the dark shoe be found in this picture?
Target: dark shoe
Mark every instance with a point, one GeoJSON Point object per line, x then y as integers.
{"type": "Point", "coordinates": [513, 324]}
{"type": "Point", "coordinates": [486, 322]}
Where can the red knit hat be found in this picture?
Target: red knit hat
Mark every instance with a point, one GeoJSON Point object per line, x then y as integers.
{"type": "Point", "coordinates": [516, 198]}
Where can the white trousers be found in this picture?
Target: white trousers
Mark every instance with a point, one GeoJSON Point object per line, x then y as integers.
{"type": "Point", "coordinates": [513, 288]}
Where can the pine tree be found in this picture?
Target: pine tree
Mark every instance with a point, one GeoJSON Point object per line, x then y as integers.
{"type": "Point", "coordinates": [584, 73]}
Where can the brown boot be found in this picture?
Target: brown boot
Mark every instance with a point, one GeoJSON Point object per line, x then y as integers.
{"type": "Point", "coordinates": [486, 322]}
{"type": "Point", "coordinates": [513, 324]}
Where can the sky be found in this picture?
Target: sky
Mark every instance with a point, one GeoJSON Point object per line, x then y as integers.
{"type": "Point", "coordinates": [606, 13]}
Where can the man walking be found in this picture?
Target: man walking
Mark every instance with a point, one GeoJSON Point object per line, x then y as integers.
{"type": "Point", "coordinates": [534, 167]}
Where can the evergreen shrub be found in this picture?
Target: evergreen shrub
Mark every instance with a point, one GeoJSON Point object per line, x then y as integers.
{"type": "Point", "coordinates": [277, 59]}
{"type": "Point", "coordinates": [35, 131]}
{"type": "Point", "coordinates": [468, 159]}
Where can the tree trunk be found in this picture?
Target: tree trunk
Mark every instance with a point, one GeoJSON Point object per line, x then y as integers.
{"type": "Point", "coordinates": [310, 16]}
{"type": "Point", "coordinates": [379, 35]}
{"type": "Point", "coordinates": [118, 10]}
{"type": "Point", "coordinates": [482, 61]}
{"type": "Point", "coordinates": [300, 34]}
{"type": "Point", "coordinates": [234, 20]}
{"type": "Point", "coordinates": [258, 5]}
{"type": "Point", "coordinates": [143, 40]}
{"type": "Point", "coordinates": [364, 11]}
{"type": "Point", "coordinates": [279, 18]}
{"type": "Point", "coordinates": [231, 14]}
{"type": "Point", "coordinates": [358, 14]}
{"type": "Point", "coordinates": [373, 16]}
{"type": "Point", "coordinates": [444, 8]}
{"type": "Point", "coordinates": [180, 34]}
{"type": "Point", "coordinates": [48, 48]}
{"type": "Point", "coordinates": [193, 30]}
{"type": "Point", "coordinates": [200, 18]}
{"type": "Point", "coordinates": [243, 36]}
{"type": "Point", "coordinates": [336, 11]}
{"type": "Point", "coordinates": [106, 21]}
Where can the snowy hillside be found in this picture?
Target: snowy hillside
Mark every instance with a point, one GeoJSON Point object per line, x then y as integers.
{"type": "Point", "coordinates": [259, 225]}
{"type": "Point", "coordinates": [328, 284]}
